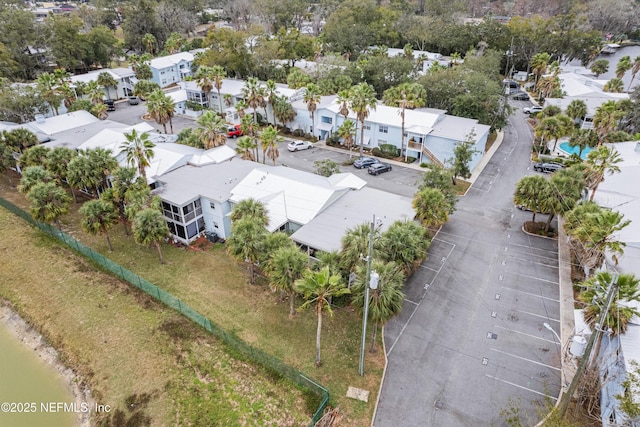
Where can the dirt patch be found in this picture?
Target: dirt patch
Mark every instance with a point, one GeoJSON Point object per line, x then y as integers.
{"type": "Point", "coordinates": [538, 228]}
{"type": "Point", "coordinates": [34, 340]}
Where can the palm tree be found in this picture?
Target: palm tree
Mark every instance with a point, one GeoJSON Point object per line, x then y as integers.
{"type": "Point", "coordinates": [47, 85]}
{"type": "Point", "coordinates": [58, 161]}
{"type": "Point", "coordinates": [149, 41]}
{"type": "Point", "coordinates": [213, 130]}
{"type": "Point", "coordinates": [603, 160]}
{"type": "Point", "coordinates": [530, 192]}
{"type": "Point", "coordinates": [384, 302]}
{"type": "Point", "coordinates": [34, 156]}
{"type": "Point", "coordinates": [577, 110]}
{"type": "Point", "coordinates": [81, 175]}
{"type": "Point", "coordinates": [635, 69]}
{"type": "Point", "coordinates": [250, 128]}
{"type": "Point", "coordinates": [218, 74]}
{"type": "Point", "coordinates": [355, 244]}
{"type": "Point", "coordinates": [583, 138]}
{"type": "Point", "coordinates": [139, 151]}
{"type": "Point", "coordinates": [98, 216]}
{"type": "Point", "coordinates": [406, 244]}
{"type": "Point", "coordinates": [311, 97]}
{"type": "Point", "coordinates": [271, 96]}
{"type": "Point", "coordinates": [362, 97]}
{"type": "Point", "coordinates": [600, 66]}
{"type": "Point", "coordinates": [32, 176]}
{"type": "Point", "coordinates": [204, 79]}
{"type": "Point", "coordinates": [269, 139]}
{"type": "Point", "coordinates": [539, 63]}
{"type": "Point", "coordinates": [245, 147]}
{"type": "Point", "coordinates": [431, 207]}
{"type": "Point", "coordinates": [19, 139]}
{"type": "Point", "coordinates": [162, 108]}
{"type": "Point", "coordinates": [317, 287]}
{"type": "Point", "coordinates": [285, 266]}
{"type": "Point", "coordinates": [95, 92]}
{"type": "Point", "coordinates": [347, 131]}
{"type": "Point", "coordinates": [614, 85]}
{"type": "Point", "coordinates": [251, 94]}
{"type": "Point", "coordinates": [250, 208]}
{"type": "Point", "coordinates": [100, 111]}
{"type": "Point", "coordinates": [123, 180]}
{"type": "Point", "coordinates": [102, 163]}
{"type": "Point", "coordinates": [343, 100]}
{"type": "Point", "coordinates": [606, 119]}
{"type": "Point", "coordinates": [550, 128]}
{"type": "Point", "coordinates": [562, 193]}
{"type": "Point", "coordinates": [594, 297]}
{"type": "Point", "coordinates": [150, 228]}
{"type": "Point", "coordinates": [245, 243]}
{"type": "Point", "coordinates": [282, 110]}
{"type": "Point", "coordinates": [48, 202]}
{"type": "Point", "coordinates": [106, 80]}
{"type": "Point", "coordinates": [624, 65]}
{"type": "Point", "coordinates": [406, 95]}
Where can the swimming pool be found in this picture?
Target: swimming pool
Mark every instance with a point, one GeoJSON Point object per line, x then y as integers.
{"type": "Point", "coordinates": [564, 146]}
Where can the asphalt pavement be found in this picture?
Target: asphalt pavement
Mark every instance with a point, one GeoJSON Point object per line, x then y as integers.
{"type": "Point", "coordinates": [470, 341]}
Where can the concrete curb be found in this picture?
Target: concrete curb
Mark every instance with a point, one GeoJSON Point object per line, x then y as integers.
{"type": "Point", "coordinates": [475, 173]}
{"type": "Point", "coordinates": [384, 373]}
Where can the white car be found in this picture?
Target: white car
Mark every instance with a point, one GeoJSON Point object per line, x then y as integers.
{"type": "Point", "coordinates": [299, 145]}
{"type": "Point", "coordinates": [532, 110]}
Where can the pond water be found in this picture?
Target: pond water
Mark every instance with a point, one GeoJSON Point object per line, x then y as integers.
{"type": "Point", "coordinates": [564, 146]}
{"type": "Point", "coordinates": [28, 384]}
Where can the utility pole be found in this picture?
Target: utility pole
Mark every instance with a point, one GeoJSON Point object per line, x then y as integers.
{"type": "Point", "coordinates": [366, 301]}
{"type": "Point", "coordinates": [584, 361]}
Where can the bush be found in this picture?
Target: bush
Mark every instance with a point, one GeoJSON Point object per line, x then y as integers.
{"type": "Point", "coordinates": [298, 132]}
{"type": "Point", "coordinates": [390, 150]}
{"type": "Point", "coordinates": [379, 153]}
{"type": "Point", "coordinates": [424, 165]}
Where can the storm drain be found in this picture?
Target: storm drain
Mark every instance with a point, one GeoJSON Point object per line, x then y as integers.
{"type": "Point", "coordinates": [492, 336]}
{"type": "Point", "coordinates": [439, 404]}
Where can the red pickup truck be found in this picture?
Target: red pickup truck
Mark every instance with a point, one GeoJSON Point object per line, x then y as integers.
{"type": "Point", "coordinates": [234, 131]}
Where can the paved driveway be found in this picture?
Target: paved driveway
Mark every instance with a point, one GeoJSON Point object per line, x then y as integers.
{"type": "Point", "coordinates": [471, 334]}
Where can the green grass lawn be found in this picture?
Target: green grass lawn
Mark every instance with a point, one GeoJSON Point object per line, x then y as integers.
{"type": "Point", "coordinates": [136, 355]}
{"type": "Point", "coordinates": [216, 285]}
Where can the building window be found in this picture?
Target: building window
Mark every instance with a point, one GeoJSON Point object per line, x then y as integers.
{"type": "Point", "coordinates": [367, 127]}
{"type": "Point", "coordinates": [381, 142]}
{"type": "Point", "coordinates": [215, 225]}
{"type": "Point", "coordinates": [212, 205]}
{"type": "Point", "coordinates": [384, 129]}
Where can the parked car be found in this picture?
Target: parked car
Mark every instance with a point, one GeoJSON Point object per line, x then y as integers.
{"type": "Point", "coordinates": [378, 168]}
{"type": "Point", "coordinates": [134, 100]}
{"type": "Point", "coordinates": [364, 162]}
{"type": "Point", "coordinates": [299, 145]}
{"type": "Point", "coordinates": [520, 96]}
{"type": "Point", "coordinates": [512, 84]}
{"type": "Point", "coordinates": [532, 110]}
{"type": "Point", "coordinates": [547, 167]}
{"type": "Point", "coordinates": [234, 131]}
{"type": "Point", "coordinates": [111, 104]}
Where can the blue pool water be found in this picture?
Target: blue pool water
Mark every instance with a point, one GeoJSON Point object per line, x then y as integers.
{"type": "Point", "coordinates": [564, 146]}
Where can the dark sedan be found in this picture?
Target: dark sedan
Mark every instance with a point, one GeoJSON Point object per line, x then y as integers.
{"type": "Point", "coordinates": [365, 162]}
{"type": "Point", "coordinates": [378, 168]}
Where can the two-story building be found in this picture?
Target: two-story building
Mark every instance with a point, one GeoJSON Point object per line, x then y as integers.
{"type": "Point", "coordinates": [171, 69]}
{"type": "Point", "coordinates": [125, 78]}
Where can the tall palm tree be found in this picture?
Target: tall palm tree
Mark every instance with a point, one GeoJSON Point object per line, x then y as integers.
{"type": "Point", "coordinates": [204, 79]}
{"type": "Point", "coordinates": [583, 138]}
{"type": "Point", "coordinates": [162, 108]}
{"type": "Point", "coordinates": [107, 81]}
{"type": "Point", "coordinates": [385, 301]}
{"type": "Point", "coordinates": [98, 216]}
{"type": "Point", "coordinates": [269, 140]}
{"type": "Point", "coordinates": [343, 100]}
{"type": "Point", "coordinates": [95, 92]}
{"type": "Point", "coordinates": [245, 243]}
{"type": "Point", "coordinates": [347, 131]}
{"type": "Point", "coordinates": [406, 244]}
{"type": "Point", "coordinates": [32, 176]}
{"type": "Point", "coordinates": [213, 130]}
{"type": "Point", "coordinates": [123, 180]}
{"type": "Point", "coordinates": [271, 96]}
{"type": "Point", "coordinates": [102, 163]}
{"type": "Point", "coordinates": [624, 65]}
{"type": "Point", "coordinates": [251, 93]}
{"type": "Point", "coordinates": [250, 208]}
{"type": "Point", "coordinates": [218, 75]}
{"type": "Point", "coordinates": [285, 266]}
{"type": "Point", "coordinates": [149, 40]}
{"type": "Point", "coordinates": [550, 128]}
{"type": "Point", "coordinates": [138, 150]}
{"type": "Point", "coordinates": [58, 164]}
{"type": "Point", "coordinates": [311, 97]}
{"type": "Point", "coordinates": [355, 244]}
{"type": "Point", "coordinates": [283, 111]}
{"type": "Point", "coordinates": [577, 109]}
{"type": "Point", "coordinates": [412, 95]}
{"type": "Point", "coordinates": [603, 160]}
{"type": "Point", "coordinates": [48, 86]}
{"type": "Point", "coordinates": [431, 207]}
{"type": "Point", "coordinates": [606, 119]}
{"type": "Point", "coordinates": [48, 202]}
{"type": "Point", "coordinates": [530, 192]}
{"type": "Point", "coordinates": [150, 228]}
{"type": "Point", "coordinates": [362, 98]}
{"type": "Point", "coordinates": [317, 287]}
{"type": "Point", "coordinates": [562, 193]}
{"type": "Point", "coordinates": [245, 146]}
{"type": "Point", "coordinates": [635, 69]}
{"type": "Point", "coordinates": [539, 63]}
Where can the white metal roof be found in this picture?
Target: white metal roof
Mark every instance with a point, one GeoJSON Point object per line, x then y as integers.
{"type": "Point", "coordinates": [213, 155]}
{"type": "Point", "coordinates": [385, 115]}
{"type": "Point", "coordinates": [62, 122]}
{"type": "Point", "coordinates": [112, 138]}
{"type": "Point", "coordinates": [170, 60]}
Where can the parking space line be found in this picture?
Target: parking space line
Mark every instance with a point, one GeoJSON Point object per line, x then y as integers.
{"type": "Point", "coordinates": [520, 386]}
{"type": "Point", "coordinates": [525, 334]}
{"type": "Point", "coordinates": [412, 302]}
{"type": "Point", "coordinates": [429, 268]}
{"type": "Point", "coordinates": [534, 262]}
{"type": "Point", "coordinates": [540, 316]}
{"type": "Point", "coordinates": [534, 277]}
{"type": "Point", "coordinates": [533, 295]}
{"type": "Point", "coordinates": [524, 358]}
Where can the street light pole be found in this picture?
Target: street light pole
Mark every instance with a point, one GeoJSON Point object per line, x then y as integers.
{"type": "Point", "coordinates": [366, 301]}
{"type": "Point", "coordinates": [566, 398]}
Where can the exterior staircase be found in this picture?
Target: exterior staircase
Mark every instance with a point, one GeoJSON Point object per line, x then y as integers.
{"type": "Point", "coordinates": [425, 151]}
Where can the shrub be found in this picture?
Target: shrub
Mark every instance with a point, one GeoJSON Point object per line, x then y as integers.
{"type": "Point", "coordinates": [298, 133]}
{"type": "Point", "coordinates": [390, 150]}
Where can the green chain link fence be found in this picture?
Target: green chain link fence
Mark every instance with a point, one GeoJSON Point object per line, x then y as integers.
{"type": "Point", "coordinates": [260, 357]}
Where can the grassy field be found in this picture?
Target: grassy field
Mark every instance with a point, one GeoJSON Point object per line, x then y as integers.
{"type": "Point", "coordinates": [216, 286]}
